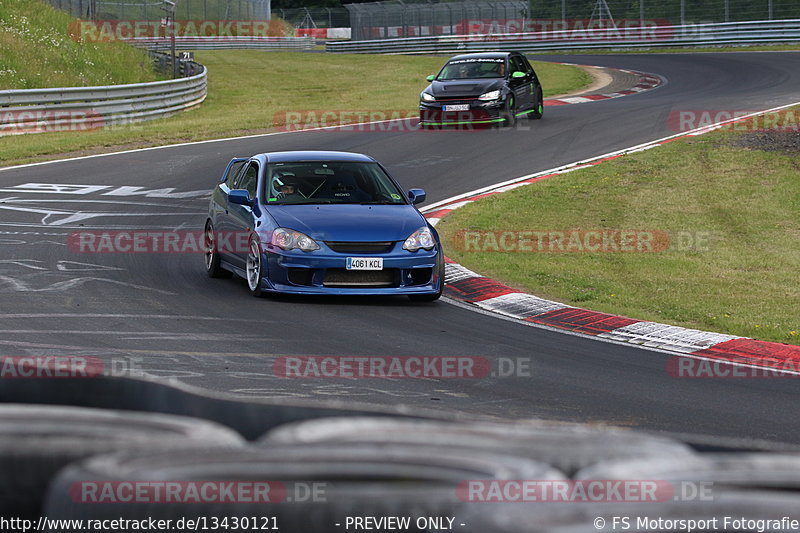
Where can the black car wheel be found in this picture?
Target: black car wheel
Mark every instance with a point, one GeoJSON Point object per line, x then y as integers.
{"type": "Point", "coordinates": [213, 267]}
{"type": "Point", "coordinates": [253, 269]}
{"type": "Point", "coordinates": [511, 111]}
{"type": "Point", "coordinates": [538, 111]}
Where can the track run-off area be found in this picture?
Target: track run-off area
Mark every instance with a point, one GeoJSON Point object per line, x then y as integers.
{"type": "Point", "coordinates": [159, 313]}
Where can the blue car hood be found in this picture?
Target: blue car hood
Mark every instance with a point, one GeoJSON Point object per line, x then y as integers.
{"type": "Point", "coordinates": [350, 223]}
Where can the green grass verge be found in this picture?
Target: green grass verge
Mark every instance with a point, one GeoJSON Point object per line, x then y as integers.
{"type": "Point", "coordinates": [249, 89]}
{"type": "Point", "coordinates": [742, 203]}
{"type": "Point", "coordinates": [37, 52]}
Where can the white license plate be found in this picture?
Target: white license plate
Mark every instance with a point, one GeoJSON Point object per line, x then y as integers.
{"type": "Point", "coordinates": [365, 263]}
{"type": "Point", "coordinates": [457, 107]}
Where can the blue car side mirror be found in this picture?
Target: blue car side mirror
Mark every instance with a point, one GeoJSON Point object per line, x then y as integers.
{"type": "Point", "coordinates": [417, 196]}
{"type": "Point", "coordinates": [239, 197]}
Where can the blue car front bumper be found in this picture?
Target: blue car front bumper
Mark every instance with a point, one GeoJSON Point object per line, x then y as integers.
{"type": "Point", "coordinates": [324, 272]}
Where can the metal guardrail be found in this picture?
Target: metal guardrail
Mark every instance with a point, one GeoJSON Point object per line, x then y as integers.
{"type": "Point", "coordinates": [85, 108]}
{"type": "Point", "coordinates": [730, 33]}
{"type": "Point", "coordinates": [226, 42]}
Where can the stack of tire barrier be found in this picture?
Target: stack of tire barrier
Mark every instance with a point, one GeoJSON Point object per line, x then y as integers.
{"type": "Point", "coordinates": [755, 490]}
{"type": "Point", "coordinates": [742, 492]}
{"type": "Point", "coordinates": [36, 441]}
{"type": "Point", "coordinates": [357, 480]}
{"type": "Point", "coordinates": [316, 468]}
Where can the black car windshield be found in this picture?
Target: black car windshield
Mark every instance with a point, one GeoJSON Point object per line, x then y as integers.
{"type": "Point", "coordinates": [330, 182]}
{"type": "Point", "coordinates": [473, 68]}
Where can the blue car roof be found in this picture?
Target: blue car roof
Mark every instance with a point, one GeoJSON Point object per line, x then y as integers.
{"type": "Point", "coordinates": [315, 155]}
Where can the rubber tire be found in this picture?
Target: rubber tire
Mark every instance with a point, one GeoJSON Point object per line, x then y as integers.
{"type": "Point", "coordinates": [510, 112]}
{"type": "Point", "coordinates": [213, 267]}
{"type": "Point", "coordinates": [431, 297]}
{"type": "Point", "coordinates": [736, 469]}
{"type": "Point", "coordinates": [36, 441]}
{"type": "Point", "coordinates": [256, 286]}
{"type": "Point", "coordinates": [567, 447]}
{"type": "Point", "coordinates": [536, 115]}
{"type": "Point", "coordinates": [364, 480]}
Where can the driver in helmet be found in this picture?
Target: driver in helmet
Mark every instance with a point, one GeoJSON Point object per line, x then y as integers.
{"type": "Point", "coordinates": [285, 186]}
{"type": "Point", "coordinates": [287, 189]}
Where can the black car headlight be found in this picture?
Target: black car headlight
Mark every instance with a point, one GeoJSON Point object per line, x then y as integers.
{"type": "Point", "coordinates": [491, 95]}
{"type": "Point", "coordinates": [427, 97]}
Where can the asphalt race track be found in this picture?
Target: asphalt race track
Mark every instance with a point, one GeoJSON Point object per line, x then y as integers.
{"type": "Point", "coordinates": [160, 314]}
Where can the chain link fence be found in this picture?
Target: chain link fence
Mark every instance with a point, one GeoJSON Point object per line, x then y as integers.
{"type": "Point", "coordinates": [672, 11]}
{"type": "Point", "coordinates": [206, 10]}
{"type": "Point", "coordinates": [315, 17]}
{"type": "Point", "coordinates": [152, 10]}
{"type": "Point", "coordinates": [379, 20]}
{"type": "Point", "coordinates": [409, 18]}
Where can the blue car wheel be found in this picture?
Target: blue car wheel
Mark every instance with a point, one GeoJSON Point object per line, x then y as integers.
{"type": "Point", "coordinates": [213, 267]}
{"type": "Point", "coordinates": [254, 269]}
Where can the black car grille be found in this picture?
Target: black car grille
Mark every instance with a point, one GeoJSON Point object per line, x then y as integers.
{"type": "Point", "coordinates": [360, 247]}
{"type": "Point", "coordinates": [340, 277]}
{"type": "Point", "coordinates": [301, 276]}
{"type": "Point", "coordinates": [419, 276]}
{"type": "Point", "coordinates": [460, 99]}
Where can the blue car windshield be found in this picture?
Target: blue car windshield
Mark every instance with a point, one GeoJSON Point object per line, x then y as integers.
{"type": "Point", "coordinates": [330, 182]}
{"type": "Point", "coordinates": [473, 68]}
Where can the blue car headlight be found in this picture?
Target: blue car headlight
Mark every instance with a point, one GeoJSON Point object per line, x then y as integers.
{"type": "Point", "coordinates": [422, 238]}
{"type": "Point", "coordinates": [289, 239]}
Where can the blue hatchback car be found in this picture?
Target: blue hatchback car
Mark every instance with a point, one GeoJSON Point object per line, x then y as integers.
{"type": "Point", "coordinates": [321, 223]}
